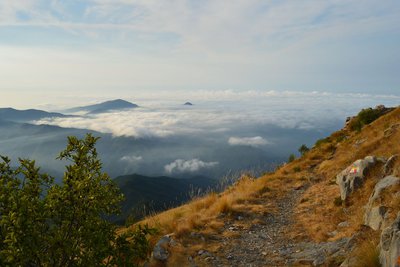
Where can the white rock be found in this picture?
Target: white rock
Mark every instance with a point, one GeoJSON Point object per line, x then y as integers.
{"type": "Point", "coordinates": [353, 176]}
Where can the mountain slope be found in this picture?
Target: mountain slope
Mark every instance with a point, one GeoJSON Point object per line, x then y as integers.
{"type": "Point", "coordinates": [117, 104]}
{"type": "Point", "coordinates": [11, 114]}
{"type": "Point", "coordinates": [145, 195]}
{"type": "Point", "coordinates": [293, 216]}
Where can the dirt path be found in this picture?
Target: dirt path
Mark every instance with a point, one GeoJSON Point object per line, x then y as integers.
{"type": "Point", "coordinates": [266, 243]}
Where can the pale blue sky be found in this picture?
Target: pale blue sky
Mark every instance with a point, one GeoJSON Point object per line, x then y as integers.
{"type": "Point", "coordinates": [118, 48]}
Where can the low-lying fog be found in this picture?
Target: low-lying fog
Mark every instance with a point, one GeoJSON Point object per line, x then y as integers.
{"type": "Point", "coordinates": [220, 133]}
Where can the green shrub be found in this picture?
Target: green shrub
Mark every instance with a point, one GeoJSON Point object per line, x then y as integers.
{"type": "Point", "coordinates": [291, 158]}
{"type": "Point", "coordinates": [364, 117]}
{"type": "Point", "coordinates": [48, 224]}
{"type": "Point", "coordinates": [303, 149]}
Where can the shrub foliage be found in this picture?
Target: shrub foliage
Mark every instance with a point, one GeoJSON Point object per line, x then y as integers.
{"type": "Point", "coordinates": [303, 149]}
{"type": "Point", "coordinates": [364, 117]}
{"type": "Point", "coordinates": [46, 224]}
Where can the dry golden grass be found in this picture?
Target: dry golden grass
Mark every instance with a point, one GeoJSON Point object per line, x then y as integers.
{"type": "Point", "coordinates": [202, 211]}
{"type": "Point", "coordinates": [367, 255]}
{"type": "Point", "coordinates": [366, 252]}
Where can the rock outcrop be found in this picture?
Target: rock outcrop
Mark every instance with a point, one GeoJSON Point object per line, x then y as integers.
{"type": "Point", "coordinates": [390, 245]}
{"type": "Point", "coordinates": [391, 130]}
{"type": "Point", "coordinates": [389, 165]}
{"type": "Point", "coordinates": [160, 251]}
{"type": "Point", "coordinates": [375, 211]}
{"type": "Point", "coordinates": [353, 176]}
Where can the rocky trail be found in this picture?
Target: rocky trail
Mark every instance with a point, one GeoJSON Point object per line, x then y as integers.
{"type": "Point", "coordinates": [266, 243]}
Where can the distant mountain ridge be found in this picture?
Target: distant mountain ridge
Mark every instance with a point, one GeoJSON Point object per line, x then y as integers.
{"type": "Point", "coordinates": [116, 104]}
{"type": "Point", "coordinates": [11, 114]}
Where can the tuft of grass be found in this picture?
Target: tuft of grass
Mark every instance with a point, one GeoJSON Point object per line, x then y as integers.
{"type": "Point", "coordinates": [263, 190]}
{"type": "Point", "coordinates": [367, 254]}
{"type": "Point", "coordinates": [204, 202]}
{"type": "Point", "coordinates": [297, 169]}
{"type": "Point", "coordinates": [224, 205]}
{"type": "Point", "coordinates": [322, 141]}
{"type": "Point", "coordinates": [192, 222]}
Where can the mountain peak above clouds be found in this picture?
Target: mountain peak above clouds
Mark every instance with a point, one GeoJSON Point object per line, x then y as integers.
{"type": "Point", "coordinates": [102, 107]}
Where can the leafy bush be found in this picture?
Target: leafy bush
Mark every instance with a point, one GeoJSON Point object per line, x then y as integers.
{"type": "Point", "coordinates": [364, 117]}
{"type": "Point", "coordinates": [303, 149]}
{"type": "Point", "coordinates": [46, 224]}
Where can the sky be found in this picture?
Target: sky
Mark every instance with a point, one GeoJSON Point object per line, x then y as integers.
{"type": "Point", "coordinates": [55, 52]}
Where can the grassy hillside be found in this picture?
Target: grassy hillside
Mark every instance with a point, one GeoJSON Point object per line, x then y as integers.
{"type": "Point", "coordinates": [316, 210]}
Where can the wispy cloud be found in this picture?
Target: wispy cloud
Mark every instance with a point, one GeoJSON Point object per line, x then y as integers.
{"type": "Point", "coordinates": [255, 141]}
{"type": "Point", "coordinates": [131, 159]}
{"type": "Point", "coordinates": [193, 165]}
{"type": "Point", "coordinates": [183, 44]}
{"type": "Point", "coordinates": [196, 25]}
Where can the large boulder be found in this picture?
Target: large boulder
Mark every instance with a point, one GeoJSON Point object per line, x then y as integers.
{"type": "Point", "coordinates": [390, 245]}
{"type": "Point", "coordinates": [375, 212]}
{"type": "Point", "coordinates": [353, 176]}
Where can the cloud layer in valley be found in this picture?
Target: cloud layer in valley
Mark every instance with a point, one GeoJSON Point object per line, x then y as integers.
{"type": "Point", "coordinates": [227, 113]}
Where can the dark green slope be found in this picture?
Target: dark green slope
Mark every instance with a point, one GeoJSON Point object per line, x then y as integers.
{"type": "Point", "coordinates": [11, 114]}
{"type": "Point", "coordinates": [144, 195]}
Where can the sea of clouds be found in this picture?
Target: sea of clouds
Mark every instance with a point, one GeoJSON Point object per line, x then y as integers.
{"type": "Point", "coordinates": [223, 111]}
{"type": "Point", "coordinates": [223, 129]}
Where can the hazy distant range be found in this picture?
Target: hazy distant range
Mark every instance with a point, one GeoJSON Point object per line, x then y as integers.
{"type": "Point", "coordinates": [208, 138]}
